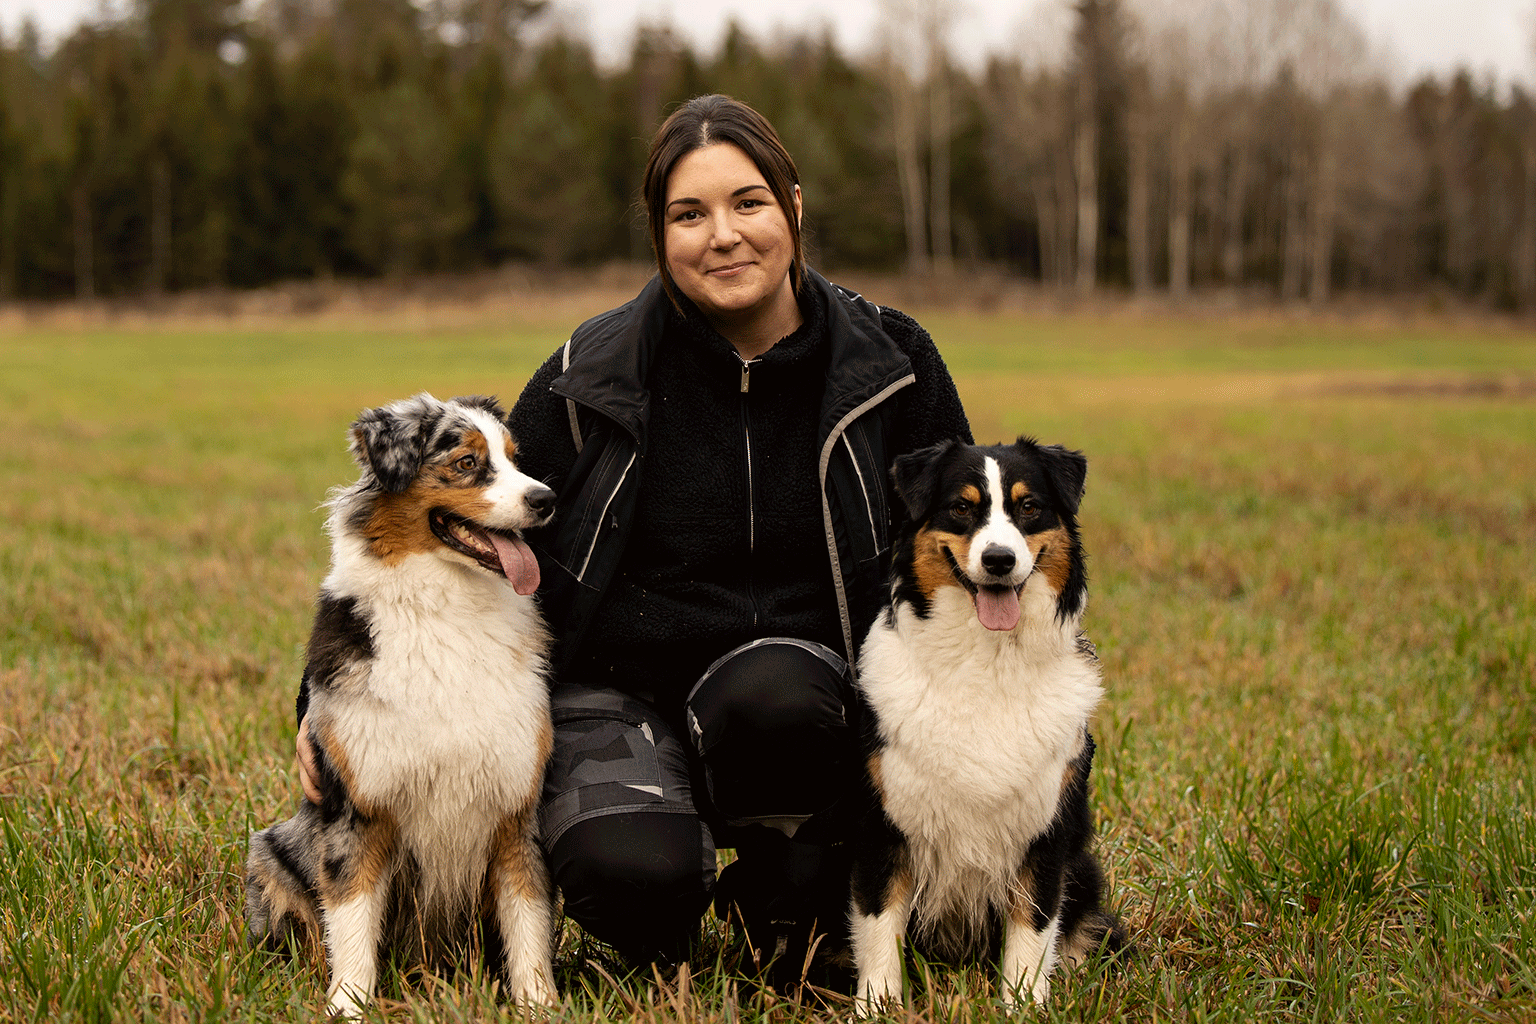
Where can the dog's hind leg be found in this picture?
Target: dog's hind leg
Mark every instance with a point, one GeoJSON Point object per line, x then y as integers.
{"type": "Point", "coordinates": [518, 886]}
{"type": "Point", "coordinates": [280, 885]}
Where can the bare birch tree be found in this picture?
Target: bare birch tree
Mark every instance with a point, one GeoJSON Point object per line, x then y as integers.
{"type": "Point", "coordinates": [1329, 52]}
{"type": "Point", "coordinates": [901, 59]}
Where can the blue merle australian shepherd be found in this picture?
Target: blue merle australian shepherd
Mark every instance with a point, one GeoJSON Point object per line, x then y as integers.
{"type": "Point", "coordinates": [980, 687]}
{"type": "Point", "coordinates": [428, 713]}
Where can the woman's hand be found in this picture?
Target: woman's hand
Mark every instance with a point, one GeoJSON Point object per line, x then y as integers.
{"type": "Point", "coordinates": [306, 752]}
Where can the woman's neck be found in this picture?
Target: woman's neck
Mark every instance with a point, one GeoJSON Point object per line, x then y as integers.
{"type": "Point", "coordinates": [753, 332]}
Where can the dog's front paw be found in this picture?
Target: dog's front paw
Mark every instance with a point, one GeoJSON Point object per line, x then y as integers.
{"type": "Point", "coordinates": [536, 990]}
{"type": "Point", "coordinates": [345, 1004]}
{"type": "Point", "coordinates": [876, 995]}
{"type": "Point", "coordinates": [1019, 997]}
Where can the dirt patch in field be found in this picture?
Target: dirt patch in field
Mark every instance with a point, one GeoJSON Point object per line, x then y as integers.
{"type": "Point", "coordinates": [1505, 386]}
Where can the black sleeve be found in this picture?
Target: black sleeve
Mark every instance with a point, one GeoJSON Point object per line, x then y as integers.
{"type": "Point", "coordinates": [930, 409]}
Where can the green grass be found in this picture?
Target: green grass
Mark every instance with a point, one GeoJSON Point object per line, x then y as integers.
{"type": "Point", "coordinates": [1312, 591]}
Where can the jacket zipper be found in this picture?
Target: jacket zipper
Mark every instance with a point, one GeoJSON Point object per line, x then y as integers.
{"type": "Point", "coordinates": [746, 427]}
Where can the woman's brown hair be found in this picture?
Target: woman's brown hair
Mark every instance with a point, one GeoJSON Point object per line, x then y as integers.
{"type": "Point", "coordinates": [706, 121]}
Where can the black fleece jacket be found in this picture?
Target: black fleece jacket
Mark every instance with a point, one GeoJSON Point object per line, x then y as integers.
{"type": "Point", "coordinates": [726, 537]}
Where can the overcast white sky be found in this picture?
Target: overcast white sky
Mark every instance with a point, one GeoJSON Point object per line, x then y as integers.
{"type": "Point", "coordinates": [1488, 36]}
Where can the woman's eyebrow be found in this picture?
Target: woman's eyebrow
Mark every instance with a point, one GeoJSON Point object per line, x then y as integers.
{"type": "Point", "coordinates": [741, 191]}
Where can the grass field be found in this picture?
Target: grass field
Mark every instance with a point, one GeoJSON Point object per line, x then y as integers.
{"type": "Point", "coordinates": [1311, 553]}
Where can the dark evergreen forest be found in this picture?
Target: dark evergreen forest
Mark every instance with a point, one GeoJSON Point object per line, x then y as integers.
{"type": "Point", "coordinates": [210, 143]}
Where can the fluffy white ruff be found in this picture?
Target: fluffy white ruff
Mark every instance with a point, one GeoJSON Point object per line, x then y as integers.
{"type": "Point", "coordinates": [978, 727]}
{"type": "Point", "coordinates": [447, 731]}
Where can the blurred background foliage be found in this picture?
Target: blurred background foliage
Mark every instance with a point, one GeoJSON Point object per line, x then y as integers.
{"type": "Point", "coordinates": [1141, 145]}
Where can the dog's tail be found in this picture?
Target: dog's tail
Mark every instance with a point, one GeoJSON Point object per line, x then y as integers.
{"type": "Point", "coordinates": [281, 907]}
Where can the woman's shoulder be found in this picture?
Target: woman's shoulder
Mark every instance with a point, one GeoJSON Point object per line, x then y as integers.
{"type": "Point", "coordinates": [905, 331]}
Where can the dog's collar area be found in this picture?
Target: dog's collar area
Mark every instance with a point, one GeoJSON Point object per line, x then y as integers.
{"type": "Point", "coordinates": [468, 538]}
{"type": "Point", "coordinates": [970, 586]}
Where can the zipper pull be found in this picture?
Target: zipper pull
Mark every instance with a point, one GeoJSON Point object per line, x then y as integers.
{"type": "Point", "coordinates": [746, 374]}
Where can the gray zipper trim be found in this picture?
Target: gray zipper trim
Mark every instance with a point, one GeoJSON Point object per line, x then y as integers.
{"type": "Point", "coordinates": [869, 505]}
{"type": "Point", "coordinates": [598, 530]}
{"type": "Point", "coordinates": [826, 507]}
{"type": "Point", "coordinates": [570, 403]}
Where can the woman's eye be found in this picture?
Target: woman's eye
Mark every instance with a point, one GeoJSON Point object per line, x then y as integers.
{"type": "Point", "coordinates": [467, 463]}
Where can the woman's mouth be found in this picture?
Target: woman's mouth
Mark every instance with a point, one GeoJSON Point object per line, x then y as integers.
{"type": "Point", "coordinates": [730, 270]}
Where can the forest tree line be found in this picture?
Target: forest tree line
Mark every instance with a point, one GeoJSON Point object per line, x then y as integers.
{"type": "Point", "coordinates": [1132, 144]}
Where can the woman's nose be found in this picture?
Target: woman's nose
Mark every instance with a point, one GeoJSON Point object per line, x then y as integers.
{"type": "Point", "coordinates": [724, 234]}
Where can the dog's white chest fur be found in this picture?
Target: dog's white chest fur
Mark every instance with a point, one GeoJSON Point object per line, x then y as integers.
{"type": "Point", "coordinates": [977, 730]}
{"type": "Point", "coordinates": [448, 728]}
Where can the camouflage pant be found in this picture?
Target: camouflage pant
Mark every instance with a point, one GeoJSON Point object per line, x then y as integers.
{"type": "Point", "coordinates": [632, 811]}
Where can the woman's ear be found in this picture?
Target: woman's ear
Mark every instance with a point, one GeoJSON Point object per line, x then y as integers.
{"type": "Point", "coordinates": [798, 206]}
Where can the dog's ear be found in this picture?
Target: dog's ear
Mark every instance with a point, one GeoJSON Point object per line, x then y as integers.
{"type": "Point", "coordinates": [391, 440]}
{"type": "Point", "coordinates": [1066, 469]}
{"type": "Point", "coordinates": [486, 402]}
{"type": "Point", "coordinates": [916, 476]}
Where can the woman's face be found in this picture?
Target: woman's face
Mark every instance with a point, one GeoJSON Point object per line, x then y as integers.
{"type": "Point", "coordinates": [728, 242]}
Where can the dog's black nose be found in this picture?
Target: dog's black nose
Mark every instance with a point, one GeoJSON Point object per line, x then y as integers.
{"type": "Point", "coordinates": [998, 560]}
{"type": "Point", "coordinates": [541, 500]}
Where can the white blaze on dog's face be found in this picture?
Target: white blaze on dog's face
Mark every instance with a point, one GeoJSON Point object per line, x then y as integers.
{"type": "Point", "coordinates": [988, 520]}
{"type": "Point", "coordinates": [447, 486]}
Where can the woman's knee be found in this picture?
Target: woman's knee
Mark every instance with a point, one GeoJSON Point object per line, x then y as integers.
{"type": "Point", "coordinates": [770, 724]}
{"type": "Point", "coordinates": [638, 882]}
{"type": "Point", "coordinates": [770, 690]}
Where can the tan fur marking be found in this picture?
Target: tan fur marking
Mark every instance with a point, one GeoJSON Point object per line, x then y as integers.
{"type": "Point", "coordinates": [928, 562]}
{"type": "Point", "coordinates": [1018, 492]}
{"type": "Point", "coordinates": [971, 493]}
{"type": "Point", "coordinates": [375, 850]}
{"type": "Point", "coordinates": [1051, 558]}
{"type": "Point", "coordinates": [875, 767]}
{"type": "Point", "coordinates": [376, 858]}
{"type": "Point", "coordinates": [447, 471]}
{"type": "Point", "coordinates": [899, 890]}
{"type": "Point", "coordinates": [324, 734]}
{"type": "Point", "coordinates": [511, 449]}
{"type": "Point", "coordinates": [398, 526]}
{"type": "Point", "coordinates": [282, 902]}
{"type": "Point", "coordinates": [515, 857]}
{"type": "Point", "coordinates": [546, 748]}
{"type": "Point", "coordinates": [1021, 898]}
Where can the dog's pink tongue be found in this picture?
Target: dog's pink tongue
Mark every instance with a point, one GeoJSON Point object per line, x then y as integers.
{"type": "Point", "coordinates": [998, 607]}
{"type": "Point", "coordinates": [517, 562]}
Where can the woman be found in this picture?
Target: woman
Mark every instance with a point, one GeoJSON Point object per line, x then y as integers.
{"type": "Point", "coordinates": [720, 447]}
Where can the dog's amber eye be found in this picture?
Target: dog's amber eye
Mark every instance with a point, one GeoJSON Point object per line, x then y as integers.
{"type": "Point", "coordinates": [960, 509]}
{"type": "Point", "coordinates": [467, 463]}
{"type": "Point", "coordinates": [1030, 509]}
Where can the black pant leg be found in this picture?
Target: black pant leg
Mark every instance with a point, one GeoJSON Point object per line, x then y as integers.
{"type": "Point", "coordinates": [632, 857]}
{"type": "Point", "coordinates": [771, 725]}
{"type": "Point", "coordinates": [770, 722]}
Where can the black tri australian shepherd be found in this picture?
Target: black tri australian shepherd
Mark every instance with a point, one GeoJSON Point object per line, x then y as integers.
{"type": "Point", "coordinates": [979, 688]}
{"type": "Point", "coordinates": [428, 714]}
